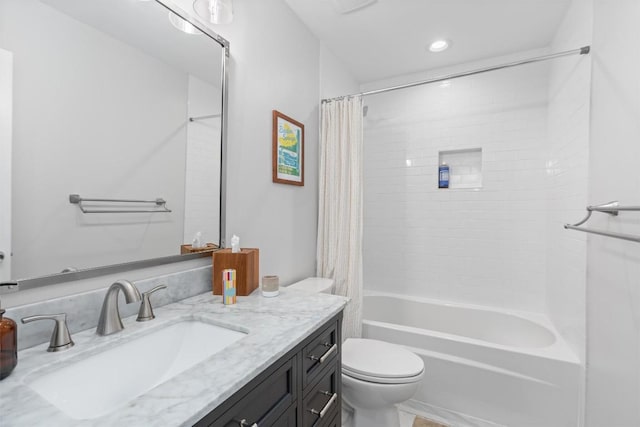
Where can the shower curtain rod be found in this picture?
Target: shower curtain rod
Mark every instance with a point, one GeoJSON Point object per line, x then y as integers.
{"type": "Point", "coordinates": [581, 51]}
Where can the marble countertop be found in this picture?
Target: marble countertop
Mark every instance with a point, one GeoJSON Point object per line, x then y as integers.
{"type": "Point", "coordinates": [274, 326]}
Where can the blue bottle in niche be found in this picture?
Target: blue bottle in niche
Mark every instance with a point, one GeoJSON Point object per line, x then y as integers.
{"type": "Point", "coordinates": [443, 175]}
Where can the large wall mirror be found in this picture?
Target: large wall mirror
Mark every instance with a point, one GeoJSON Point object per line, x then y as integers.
{"type": "Point", "coordinates": [107, 99]}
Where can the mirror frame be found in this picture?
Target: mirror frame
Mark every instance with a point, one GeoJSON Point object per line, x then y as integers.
{"type": "Point", "coordinates": [57, 278]}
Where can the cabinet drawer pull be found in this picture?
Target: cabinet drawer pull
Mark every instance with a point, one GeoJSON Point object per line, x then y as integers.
{"type": "Point", "coordinates": [326, 355]}
{"type": "Point", "coordinates": [321, 413]}
{"type": "Point", "coordinates": [244, 423]}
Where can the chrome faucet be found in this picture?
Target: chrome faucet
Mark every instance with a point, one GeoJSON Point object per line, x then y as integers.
{"type": "Point", "coordinates": [110, 321]}
{"type": "Point", "coordinates": [146, 311]}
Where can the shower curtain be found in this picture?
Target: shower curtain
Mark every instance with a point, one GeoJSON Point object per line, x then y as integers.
{"type": "Point", "coordinates": [339, 254]}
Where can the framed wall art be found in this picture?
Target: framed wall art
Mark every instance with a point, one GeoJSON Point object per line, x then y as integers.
{"type": "Point", "coordinates": [288, 150]}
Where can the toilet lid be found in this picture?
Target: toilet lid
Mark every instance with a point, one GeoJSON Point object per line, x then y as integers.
{"type": "Point", "coordinates": [370, 359]}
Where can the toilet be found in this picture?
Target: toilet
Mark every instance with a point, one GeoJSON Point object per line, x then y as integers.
{"type": "Point", "coordinates": [376, 375]}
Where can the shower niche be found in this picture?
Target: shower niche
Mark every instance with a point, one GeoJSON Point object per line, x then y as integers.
{"type": "Point", "coordinates": [465, 167]}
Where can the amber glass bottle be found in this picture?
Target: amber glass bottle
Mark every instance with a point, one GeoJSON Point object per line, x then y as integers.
{"type": "Point", "coordinates": [8, 345]}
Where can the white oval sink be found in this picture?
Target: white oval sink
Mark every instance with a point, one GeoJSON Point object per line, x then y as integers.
{"type": "Point", "coordinates": [101, 383]}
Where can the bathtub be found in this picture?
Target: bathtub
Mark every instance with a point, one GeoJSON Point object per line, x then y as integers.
{"type": "Point", "coordinates": [483, 367]}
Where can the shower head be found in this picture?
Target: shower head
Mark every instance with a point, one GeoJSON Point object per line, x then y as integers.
{"type": "Point", "coordinates": [365, 110]}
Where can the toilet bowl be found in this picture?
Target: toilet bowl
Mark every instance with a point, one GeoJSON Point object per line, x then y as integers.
{"type": "Point", "coordinates": [376, 375]}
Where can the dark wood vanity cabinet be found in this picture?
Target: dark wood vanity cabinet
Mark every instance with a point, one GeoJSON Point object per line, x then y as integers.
{"type": "Point", "coordinates": [301, 389]}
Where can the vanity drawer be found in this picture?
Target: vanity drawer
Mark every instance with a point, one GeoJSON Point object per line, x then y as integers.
{"type": "Point", "coordinates": [323, 399]}
{"type": "Point", "coordinates": [266, 403]}
{"type": "Point", "coordinates": [322, 351]}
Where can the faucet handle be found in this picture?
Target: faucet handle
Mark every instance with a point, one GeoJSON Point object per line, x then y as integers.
{"type": "Point", "coordinates": [60, 338]}
{"type": "Point", "coordinates": [146, 311]}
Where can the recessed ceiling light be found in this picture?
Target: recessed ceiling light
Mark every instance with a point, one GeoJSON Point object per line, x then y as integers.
{"type": "Point", "coordinates": [439, 45]}
{"type": "Point", "coordinates": [183, 25]}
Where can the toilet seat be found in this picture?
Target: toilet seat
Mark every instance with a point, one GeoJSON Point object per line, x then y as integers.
{"type": "Point", "coordinates": [380, 380]}
{"type": "Point", "coordinates": [380, 362]}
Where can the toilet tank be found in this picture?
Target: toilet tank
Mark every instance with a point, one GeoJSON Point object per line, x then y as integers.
{"type": "Point", "coordinates": [313, 285]}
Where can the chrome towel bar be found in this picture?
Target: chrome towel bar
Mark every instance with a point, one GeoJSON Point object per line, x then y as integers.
{"type": "Point", "coordinates": [103, 207]}
{"type": "Point", "coordinates": [611, 208]}
{"type": "Point", "coordinates": [209, 116]}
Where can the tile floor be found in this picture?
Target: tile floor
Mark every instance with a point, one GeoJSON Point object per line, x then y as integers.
{"type": "Point", "coordinates": [411, 420]}
{"type": "Point", "coordinates": [421, 422]}
{"type": "Point", "coordinates": [406, 420]}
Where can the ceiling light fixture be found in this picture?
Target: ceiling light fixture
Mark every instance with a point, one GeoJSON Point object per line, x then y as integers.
{"type": "Point", "coordinates": [439, 45]}
{"type": "Point", "coordinates": [214, 11]}
{"type": "Point", "coordinates": [183, 25]}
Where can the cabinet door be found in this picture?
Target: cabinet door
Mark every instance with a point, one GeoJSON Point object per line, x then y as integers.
{"type": "Point", "coordinates": [319, 353]}
{"type": "Point", "coordinates": [336, 422]}
{"type": "Point", "coordinates": [322, 402]}
{"type": "Point", "coordinates": [288, 419]}
{"type": "Point", "coordinates": [265, 404]}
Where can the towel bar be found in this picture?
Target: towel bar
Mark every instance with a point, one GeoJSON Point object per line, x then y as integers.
{"type": "Point", "coordinates": [160, 205]}
{"type": "Point", "coordinates": [611, 208]}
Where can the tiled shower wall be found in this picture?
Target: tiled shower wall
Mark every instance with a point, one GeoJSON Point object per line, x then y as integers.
{"type": "Point", "coordinates": [485, 245]}
{"type": "Point", "coordinates": [569, 111]}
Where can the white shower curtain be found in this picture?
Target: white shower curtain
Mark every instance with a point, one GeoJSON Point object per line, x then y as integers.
{"type": "Point", "coordinates": [339, 254]}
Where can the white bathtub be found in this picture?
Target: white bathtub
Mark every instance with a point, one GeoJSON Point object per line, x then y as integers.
{"type": "Point", "coordinates": [482, 366]}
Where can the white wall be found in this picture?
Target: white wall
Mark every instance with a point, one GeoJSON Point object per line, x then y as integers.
{"type": "Point", "coordinates": [274, 66]}
{"type": "Point", "coordinates": [202, 199]}
{"type": "Point", "coordinates": [63, 146]}
{"type": "Point", "coordinates": [613, 284]}
{"type": "Point", "coordinates": [335, 80]}
{"type": "Point", "coordinates": [567, 176]}
{"type": "Point", "coordinates": [482, 246]}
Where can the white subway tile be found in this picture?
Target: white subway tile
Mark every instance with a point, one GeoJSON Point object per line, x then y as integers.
{"type": "Point", "coordinates": [490, 246]}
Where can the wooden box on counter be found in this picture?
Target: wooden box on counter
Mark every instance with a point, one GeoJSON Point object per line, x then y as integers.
{"type": "Point", "coordinates": [247, 266]}
{"type": "Point", "coordinates": [188, 249]}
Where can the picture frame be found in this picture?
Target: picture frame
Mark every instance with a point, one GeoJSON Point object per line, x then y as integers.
{"type": "Point", "coordinates": [288, 150]}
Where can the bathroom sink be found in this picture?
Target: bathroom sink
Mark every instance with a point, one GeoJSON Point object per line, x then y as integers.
{"type": "Point", "coordinates": [99, 384]}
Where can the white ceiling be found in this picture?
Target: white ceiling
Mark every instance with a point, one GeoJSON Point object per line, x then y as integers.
{"type": "Point", "coordinates": [390, 37]}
